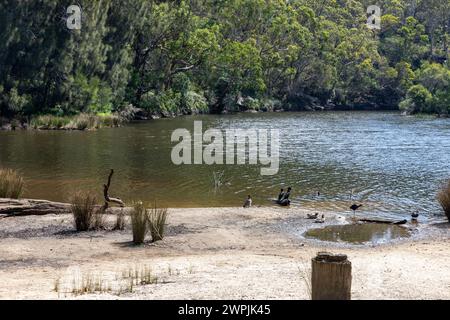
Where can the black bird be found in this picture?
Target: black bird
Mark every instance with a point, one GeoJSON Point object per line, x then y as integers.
{"type": "Point", "coordinates": [415, 216]}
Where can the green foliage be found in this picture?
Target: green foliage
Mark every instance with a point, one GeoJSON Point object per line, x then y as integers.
{"type": "Point", "coordinates": [157, 219]}
{"type": "Point", "coordinates": [431, 94]}
{"type": "Point", "coordinates": [189, 56]}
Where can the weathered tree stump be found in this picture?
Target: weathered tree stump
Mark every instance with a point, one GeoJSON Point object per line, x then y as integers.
{"type": "Point", "coordinates": [331, 277]}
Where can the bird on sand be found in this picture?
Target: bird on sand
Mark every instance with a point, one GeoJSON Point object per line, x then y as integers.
{"type": "Point", "coordinates": [248, 202]}
{"type": "Point", "coordinates": [415, 216]}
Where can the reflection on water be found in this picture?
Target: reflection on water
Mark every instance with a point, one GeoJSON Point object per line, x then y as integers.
{"type": "Point", "coordinates": [359, 233]}
{"type": "Point", "coordinates": [393, 164]}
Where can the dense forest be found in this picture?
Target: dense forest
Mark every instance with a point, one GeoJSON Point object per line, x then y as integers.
{"type": "Point", "coordinates": [169, 58]}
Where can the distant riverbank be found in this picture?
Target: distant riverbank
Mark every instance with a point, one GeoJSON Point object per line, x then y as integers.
{"type": "Point", "coordinates": [86, 121]}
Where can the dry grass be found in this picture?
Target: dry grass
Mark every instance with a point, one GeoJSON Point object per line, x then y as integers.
{"type": "Point", "coordinates": [157, 219]}
{"type": "Point", "coordinates": [81, 121]}
{"type": "Point", "coordinates": [11, 184]}
{"type": "Point", "coordinates": [98, 222]}
{"type": "Point", "coordinates": [83, 210]}
{"type": "Point", "coordinates": [444, 199]}
{"type": "Point", "coordinates": [120, 221]}
{"type": "Point", "coordinates": [105, 283]}
{"type": "Point", "coordinates": [139, 217]}
{"type": "Point", "coordinates": [305, 277]}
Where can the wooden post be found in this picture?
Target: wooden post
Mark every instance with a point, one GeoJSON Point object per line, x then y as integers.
{"type": "Point", "coordinates": [331, 277]}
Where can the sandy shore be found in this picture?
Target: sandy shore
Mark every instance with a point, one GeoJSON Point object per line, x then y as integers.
{"type": "Point", "coordinates": [212, 253]}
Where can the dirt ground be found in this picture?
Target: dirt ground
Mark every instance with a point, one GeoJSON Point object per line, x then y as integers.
{"type": "Point", "coordinates": [211, 253]}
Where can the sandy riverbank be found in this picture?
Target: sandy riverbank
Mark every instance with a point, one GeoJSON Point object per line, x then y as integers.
{"type": "Point", "coordinates": [213, 253]}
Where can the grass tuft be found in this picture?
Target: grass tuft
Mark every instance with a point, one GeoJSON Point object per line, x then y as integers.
{"type": "Point", "coordinates": [11, 184]}
{"type": "Point", "coordinates": [444, 199]}
{"type": "Point", "coordinates": [120, 221]}
{"type": "Point", "coordinates": [82, 121]}
{"type": "Point", "coordinates": [83, 211]}
{"type": "Point", "coordinates": [139, 218]}
{"type": "Point", "coordinates": [157, 219]}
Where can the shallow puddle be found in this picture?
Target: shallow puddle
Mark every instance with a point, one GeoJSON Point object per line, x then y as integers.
{"type": "Point", "coordinates": [359, 233]}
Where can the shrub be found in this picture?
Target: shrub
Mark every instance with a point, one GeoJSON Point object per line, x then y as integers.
{"type": "Point", "coordinates": [195, 103]}
{"type": "Point", "coordinates": [11, 184]}
{"type": "Point", "coordinates": [444, 199]}
{"type": "Point", "coordinates": [418, 99]}
{"type": "Point", "coordinates": [109, 120]}
{"type": "Point", "coordinates": [82, 121]}
{"type": "Point", "coordinates": [83, 210]}
{"type": "Point", "coordinates": [157, 219]}
{"type": "Point", "coordinates": [139, 218]}
{"type": "Point", "coordinates": [49, 122]}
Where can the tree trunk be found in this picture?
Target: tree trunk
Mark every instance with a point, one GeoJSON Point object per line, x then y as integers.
{"type": "Point", "coordinates": [331, 277]}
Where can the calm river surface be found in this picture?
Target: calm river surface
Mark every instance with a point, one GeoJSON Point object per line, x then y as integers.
{"type": "Point", "coordinates": [393, 164]}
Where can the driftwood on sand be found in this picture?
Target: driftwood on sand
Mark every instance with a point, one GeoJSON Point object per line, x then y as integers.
{"type": "Point", "coordinates": [31, 207]}
{"type": "Point", "coordinates": [109, 199]}
{"type": "Point", "coordinates": [384, 221]}
{"type": "Point", "coordinates": [27, 207]}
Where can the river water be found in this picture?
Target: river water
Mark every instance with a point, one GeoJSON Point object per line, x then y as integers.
{"type": "Point", "coordinates": [390, 163]}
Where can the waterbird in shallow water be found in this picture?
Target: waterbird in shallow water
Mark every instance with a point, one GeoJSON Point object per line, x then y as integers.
{"type": "Point", "coordinates": [415, 216]}
{"type": "Point", "coordinates": [355, 207]}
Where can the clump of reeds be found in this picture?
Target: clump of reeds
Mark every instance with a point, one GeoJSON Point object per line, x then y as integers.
{"type": "Point", "coordinates": [82, 121]}
{"type": "Point", "coordinates": [144, 220]}
{"type": "Point", "coordinates": [98, 222]}
{"type": "Point", "coordinates": [157, 219]}
{"type": "Point", "coordinates": [139, 219]}
{"type": "Point", "coordinates": [444, 199]}
{"type": "Point", "coordinates": [83, 210]}
{"type": "Point", "coordinates": [218, 177]}
{"type": "Point", "coordinates": [120, 221]}
{"type": "Point", "coordinates": [11, 184]}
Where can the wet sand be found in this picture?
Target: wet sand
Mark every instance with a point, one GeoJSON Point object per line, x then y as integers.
{"type": "Point", "coordinates": [215, 253]}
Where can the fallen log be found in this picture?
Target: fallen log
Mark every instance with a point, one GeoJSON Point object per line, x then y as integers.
{"type": "Point", "coordinates": [32, 207]}
{"type": "Point", "coordinates": [384, 221]}
{"type": "Point", "coordinates": [26, 207]}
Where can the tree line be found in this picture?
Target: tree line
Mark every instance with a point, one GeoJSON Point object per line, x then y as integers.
{"type": "Point", "coordinates": [190, 56]}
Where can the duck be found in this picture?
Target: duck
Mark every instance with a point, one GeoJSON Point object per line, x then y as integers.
{"type": "Point", "coordinates": [415, 216]}
{"type": "Point", "coordinates": [312, 216]}
{"type": "Point", "coordinates": [320, 220]}
{"type": "Point", "coordinates": [248, 202]}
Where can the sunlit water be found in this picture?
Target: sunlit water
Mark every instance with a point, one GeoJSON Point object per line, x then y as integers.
{"type": "Point", "coordinates": [393, 164]}
{"type": "Point", "coordinates": [359, 233]}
